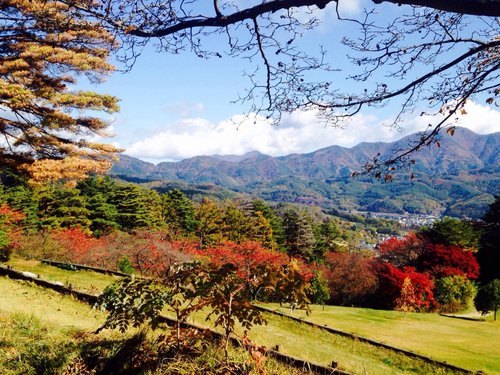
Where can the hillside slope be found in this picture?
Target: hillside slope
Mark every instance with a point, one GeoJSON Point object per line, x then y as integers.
{"type": "Point", "coordinates": [458, 179]}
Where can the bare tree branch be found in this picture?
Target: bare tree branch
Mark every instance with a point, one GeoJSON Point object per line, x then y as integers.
{"type": "Point", "coordinates": [435, 54]}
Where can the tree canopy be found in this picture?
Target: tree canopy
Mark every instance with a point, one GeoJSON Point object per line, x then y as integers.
{"type": "Point", "coordinates": [44, 45]}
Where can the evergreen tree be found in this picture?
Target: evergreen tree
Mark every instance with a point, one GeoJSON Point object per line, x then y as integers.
{"type": "Point", "coordinates": [22, 198]}
{"type": "Point", "coordinates": [299, 234]}
{"type": "Point", "coordinates": [43, 43]}
{"type": "Point", "coordinates": [62, 207]}
{"type": "Point", "coordinates": [456, 232]}
{"type": "Point", "coordinates": [488, 298]}
{"type": "Point", "coordinates": [97, 185]}
{"type": "Point", "coordinates": [178, 212]}
{"type": "Point", "coordinates": [327, 236]}
{"type": "Point", "coordinates": [274, 220]}
{"type": "Point", "coordinates": [263, 231]}
{"type": "Point", "coordinates": [210, 223]}
{"type": "Point", "coordinates": [137, 207]}
{"type": "Point", "coordinates": [237, 226]}
{"type": "Point", "coordinates": [488, 255]}
{"type": "Point", "coordinates": [103, 214]}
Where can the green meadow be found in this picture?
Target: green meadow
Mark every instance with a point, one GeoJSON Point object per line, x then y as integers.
{"type": "Point", "coordinates": [471, 345]}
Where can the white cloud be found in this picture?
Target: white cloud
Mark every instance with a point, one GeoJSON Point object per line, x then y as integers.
{"type": "Point", "coordinates": [482, 119]}
{"type": "Point", "coordinates": [299, 133]}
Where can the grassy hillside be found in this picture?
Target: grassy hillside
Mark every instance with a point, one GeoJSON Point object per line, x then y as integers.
{"type": "Point", "coordinates": [43, 332]}
{"type": "Point", "coordinates": [468, 344]}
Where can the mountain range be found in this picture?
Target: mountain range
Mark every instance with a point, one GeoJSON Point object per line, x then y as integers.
{"type": "Point", "coordinates": [459, 178]}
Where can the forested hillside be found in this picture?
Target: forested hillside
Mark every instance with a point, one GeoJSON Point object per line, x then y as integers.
{"type": "Point", "coordinates": [459, 178]}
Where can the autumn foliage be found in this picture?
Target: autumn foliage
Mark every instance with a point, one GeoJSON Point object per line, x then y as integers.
{"type": "Point", "coordinates": [441, 261]}
{"type": "Point", "coordinates": [351, 278]}
{"type": "Point", "coordinates": [391, 281]}
{"type": "Point", "coordinates": [10, 230]}
{"type": "Point", "coordinates": [45, 46]}
{"type": "Point", "coordinates": [401, 251]}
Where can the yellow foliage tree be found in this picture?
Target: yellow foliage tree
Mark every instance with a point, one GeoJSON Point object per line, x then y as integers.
{"type": "Point", "coordinates": [44, 45]}
{"type": "Point", "coordinates": [406, 302]}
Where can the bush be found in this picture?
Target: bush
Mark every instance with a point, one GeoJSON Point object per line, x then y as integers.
{"type": "Point", "coordinates": [455, 293]}
{"type": "Point", "coordinates": [125, 266]}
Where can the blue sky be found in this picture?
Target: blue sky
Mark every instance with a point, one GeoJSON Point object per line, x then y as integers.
{"type": "Point", "coordinates": [178, 106]}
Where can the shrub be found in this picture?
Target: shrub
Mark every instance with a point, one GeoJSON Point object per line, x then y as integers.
{"type": "Point", "coordinates": [125, 266]}
{"type": "Point", "coordinates": [455, 293]}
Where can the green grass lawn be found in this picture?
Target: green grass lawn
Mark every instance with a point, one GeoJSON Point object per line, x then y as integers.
{"type": "Point", "coordinates": [62, 311]}
{"type": "Point", "coordinates": [474, 345]}
{"type": "Point", "coordinates": [42, 332]}
{"type": "Point", "coordinates": [468, 344]}
{"type": "Point", "coordinates": [82, 280]}
{"type": "Point", "coordinates": [319, 346]}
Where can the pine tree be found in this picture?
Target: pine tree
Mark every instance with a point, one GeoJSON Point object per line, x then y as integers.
{"type": "Point", "coordinates": [489, 248]}
{"type": "Point", "coordinates": [299, 234]}
{"type": "Point", "coordinates": [137, 207]}
{"type": "Point", "coordinates": [237, 226]}
{"type": "Point", "coordinates": [22, 198]}
{"type": "Point", "coordinates": [275, 221]}
{"type": "Point", "coordinates": [211, 222]}
{"type": "Point", "coordinates": [327, 236]}
{"type": "Point", "coordinates": [44, 44]}
{"type": "Point", "coordinates": [103, 215]}
{"type": "Point", "coordinates": [178, 212]}
{"type": "Point", "coordinates": [62, 207]}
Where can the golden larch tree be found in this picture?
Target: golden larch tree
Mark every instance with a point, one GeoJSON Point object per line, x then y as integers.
{"type": "Point", "coordinates": [44, 46]}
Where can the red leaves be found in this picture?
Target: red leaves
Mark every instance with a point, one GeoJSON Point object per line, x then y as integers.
{"type": "Point", "coordinates": [401, 251]}
{"type": "Point", "coordinates": [246, 256]}
{"type": "Point", "coordinates": [392, 279]}
{"type": "Point", "coordinates": [351, 278]}
{"type": "Point", "coordinates": [443, 260]}
{"type": "Point", "coordinates": [75, 243]}
{"type": "Point", "coordinates": [10, 224]}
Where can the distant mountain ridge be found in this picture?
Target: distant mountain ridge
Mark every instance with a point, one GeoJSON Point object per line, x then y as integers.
{"type": "Point", "coordinates": [459, 178]}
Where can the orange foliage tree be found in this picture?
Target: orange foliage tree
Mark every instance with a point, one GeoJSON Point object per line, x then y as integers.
{"type": "Point", "coordinates": [10, 230]}
{"type": "Point", "coordinates": [43, 43]}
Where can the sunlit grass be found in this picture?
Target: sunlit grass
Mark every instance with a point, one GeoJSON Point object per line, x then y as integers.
{"type": "Point", "coordinates": [463, 343]}
{"type": "Point", "coordinates": [469, 344]}
{"type": "Point", "coordinates": [82, 280]}
{"type": "Point", "coordinates": [48, 305]}
{"type": "Point", "coordinates": [42, 332]}
{"type": "Point", "coordinates": [321, 347]}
